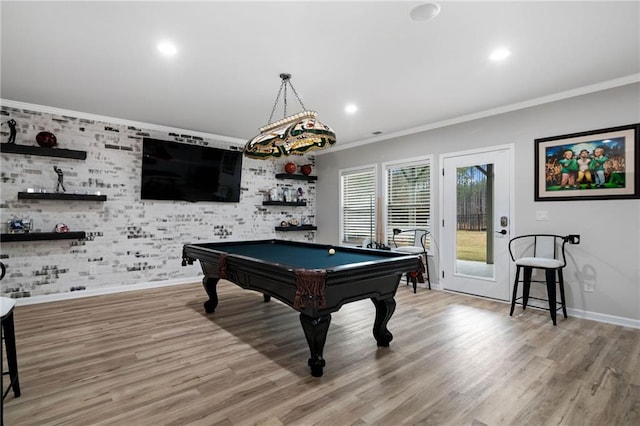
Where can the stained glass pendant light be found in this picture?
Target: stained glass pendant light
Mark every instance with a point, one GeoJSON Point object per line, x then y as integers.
{"type": "Point", "coordinates": [295, 134]}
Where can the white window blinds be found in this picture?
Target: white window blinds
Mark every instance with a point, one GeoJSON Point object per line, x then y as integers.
{"type": "Point", "coordinates": [358, 205]}
{"type": "Point", "coordinates": [408, 195]}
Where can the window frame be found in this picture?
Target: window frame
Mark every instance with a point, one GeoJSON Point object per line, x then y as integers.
{"type": "Point", "coordinates": [426, 160]}
{"type": "Point", "coordinates": [373, 168]}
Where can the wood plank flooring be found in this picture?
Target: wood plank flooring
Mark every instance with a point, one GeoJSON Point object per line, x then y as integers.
{"type": "Point", "coordinates": [153, 357]}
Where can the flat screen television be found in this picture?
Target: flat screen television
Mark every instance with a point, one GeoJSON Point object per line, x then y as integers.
{"type": "Point", "coordinates": [179, 171]}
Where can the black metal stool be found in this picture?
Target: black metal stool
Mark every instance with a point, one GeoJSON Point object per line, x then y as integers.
{"type": "Point", "coordinates": [9, 337]}
{"type": "Point", "coordinates": [545, 252]}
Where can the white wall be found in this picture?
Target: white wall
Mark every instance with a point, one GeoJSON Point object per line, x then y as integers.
{"type": "Point", "coordinates": [609, 253]}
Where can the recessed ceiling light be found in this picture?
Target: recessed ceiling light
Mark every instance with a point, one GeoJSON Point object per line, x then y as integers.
{"type": "Point", "coordinates": [167, 48]}
{"type": "Point", "coordinates": [351, 109]}
{"type": "Point", "coordinates": [500, 54]}
{"type": "Point", "coordinates": [425, 11]}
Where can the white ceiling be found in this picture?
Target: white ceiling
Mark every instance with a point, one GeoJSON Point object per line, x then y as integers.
{"type": "Point", "coordinates": [101, 58]}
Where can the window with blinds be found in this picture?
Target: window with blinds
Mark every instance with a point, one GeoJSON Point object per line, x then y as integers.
{"type": "Point", "coordinates": [408, 196]}
{"type": "Point", "coordinates": [358, 196]}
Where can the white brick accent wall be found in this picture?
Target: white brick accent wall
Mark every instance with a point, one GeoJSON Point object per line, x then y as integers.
{"type": "Point", "coordinates": [129, 241]}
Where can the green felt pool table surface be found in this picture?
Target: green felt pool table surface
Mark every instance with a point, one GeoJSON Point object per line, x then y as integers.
{"type": "Point", "coordinates": [299, 256]}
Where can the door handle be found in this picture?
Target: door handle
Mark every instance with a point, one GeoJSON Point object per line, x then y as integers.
{"type": "Point", "coordinates": [502, 231]}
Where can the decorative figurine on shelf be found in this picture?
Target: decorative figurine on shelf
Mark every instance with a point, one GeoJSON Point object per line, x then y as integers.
{"type": "Point", "coordinates": [294, 222]}
{"type": "Point", "coordinates": [27, 224]}
{"type": "Point", "coordinates": [20, 226]}
{"type": "Point", "coordinates": [46, 139]}
{"type": "Point", "coordinates": [286, 195]}
{"type": "Point", "coordinates": [60, 183]}
{"type": "Point", "coordinates": [275, 194]}
{"type": "Point", "coordinates": [12, 131]}
{"type": "Point", "coordinates": [299, 194]}
{"type": "Point", "coordinates": [16, 226]}
{"type": "Point", "coordinates": [61, 228]}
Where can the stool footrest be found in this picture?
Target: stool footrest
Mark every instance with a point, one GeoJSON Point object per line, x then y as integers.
{"type": "Point", "coordinates": [518, 301]}
{"type": "Point", "coordinates": [9, 386]}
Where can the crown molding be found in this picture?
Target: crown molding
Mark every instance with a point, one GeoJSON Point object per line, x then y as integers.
{"type": "Point", "coordinates": [138, 124]}
{"type": "Point", "coordinates": [598, 87]}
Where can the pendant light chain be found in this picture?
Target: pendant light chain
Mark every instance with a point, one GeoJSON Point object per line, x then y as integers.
{"type": "Point", "coordinates": [275, 105]}
{"type": "Point", "coordinates": [284, 113]}
{"type": "Point", "coordinates": [297, 97]}
{"type": "Point", "coordinates": [286, 79]}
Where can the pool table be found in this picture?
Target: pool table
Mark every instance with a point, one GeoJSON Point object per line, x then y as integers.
{"type": "Point", "coordinates": [308, 278]}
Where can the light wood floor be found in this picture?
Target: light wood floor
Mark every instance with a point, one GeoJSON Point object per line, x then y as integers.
{"type": "Point", "coordinates": [154, 358]}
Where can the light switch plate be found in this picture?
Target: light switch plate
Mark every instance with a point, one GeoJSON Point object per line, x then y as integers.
{"type": "Point", "coordinates": [542, 215]}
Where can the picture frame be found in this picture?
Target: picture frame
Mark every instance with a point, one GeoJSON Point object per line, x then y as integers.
{"type": "Point", "coordinates": [594, 165]}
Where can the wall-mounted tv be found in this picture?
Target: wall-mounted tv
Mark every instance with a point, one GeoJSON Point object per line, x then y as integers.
{"type": "Point", "coordinates": [180, 171]}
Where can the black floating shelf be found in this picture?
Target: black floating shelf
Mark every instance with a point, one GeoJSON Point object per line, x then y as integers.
{"type": "Point", "coordinates": [60, 196]}
{"type": "Point", "coordinates": [13, 148]}
{"type": "Point", "coordinates": [296, 177]}
{"type": "Point", "coordinates": [296, 228]}
{"type": "Point", "coordinates": [284, 203]}
{"type": "Point", "coordinates": [42, 236]}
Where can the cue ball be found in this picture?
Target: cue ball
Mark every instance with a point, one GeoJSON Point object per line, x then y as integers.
{"type": "Point", "coordinates": [332, 251]}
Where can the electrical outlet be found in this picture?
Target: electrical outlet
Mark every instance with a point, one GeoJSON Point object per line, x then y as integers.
{"type": "Point", "coordinates": [589, 286]}
{"type": "Point", "coordinates": [93, 269]}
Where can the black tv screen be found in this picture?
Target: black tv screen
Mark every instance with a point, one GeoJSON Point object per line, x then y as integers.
{"type": "Point", "coordinates": [178, 171]}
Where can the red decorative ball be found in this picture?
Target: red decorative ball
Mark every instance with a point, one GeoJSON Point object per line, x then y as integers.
{"type": "Point", "coordinates": [306, 169]}
{"type": "Point", "coordinates": [290, 168]}
{"type": "Point", "coordinates": [46, 139]}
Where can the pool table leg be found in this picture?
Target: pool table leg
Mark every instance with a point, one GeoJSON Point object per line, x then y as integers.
{"type": "Point", "coordinates": [209, 284]}
{"type": "Point", "coordinates": [315, 330]}
{"type": "Point", "coordinates": [384, 310]}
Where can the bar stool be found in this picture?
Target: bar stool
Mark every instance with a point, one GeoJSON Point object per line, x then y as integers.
{"type": "Point", "coordinates": [9, 337]}
{"type": "Point", "coordinates": [545, 252]}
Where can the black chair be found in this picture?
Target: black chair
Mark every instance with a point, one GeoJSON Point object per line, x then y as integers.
{"type": "Point", "coordinates": [9, 337]}
{"type": "Point", "coordinates": [413, 242]}
{"type": "Point", "coordinates": [544, 252]}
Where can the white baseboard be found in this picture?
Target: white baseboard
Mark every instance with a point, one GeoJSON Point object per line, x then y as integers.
{"type": "Point", "coordinates": [609, 319]}
{"type": "Point", "coordinates": [102, 291]}
{"type": "Point", "coordinates": [576, 313]}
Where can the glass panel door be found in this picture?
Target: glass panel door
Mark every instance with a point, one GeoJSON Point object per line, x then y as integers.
{"type": "Point", "coordinates": [475, 226]}
{"type": "Point", "coordinates": [474, 241]}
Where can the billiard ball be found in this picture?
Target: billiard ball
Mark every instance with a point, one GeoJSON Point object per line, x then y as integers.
{"type": "Point", "coordinates": [332, 251]}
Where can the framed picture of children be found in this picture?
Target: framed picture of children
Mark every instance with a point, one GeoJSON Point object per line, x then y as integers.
{"type": "Point", "coordinates": [598, 164]}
